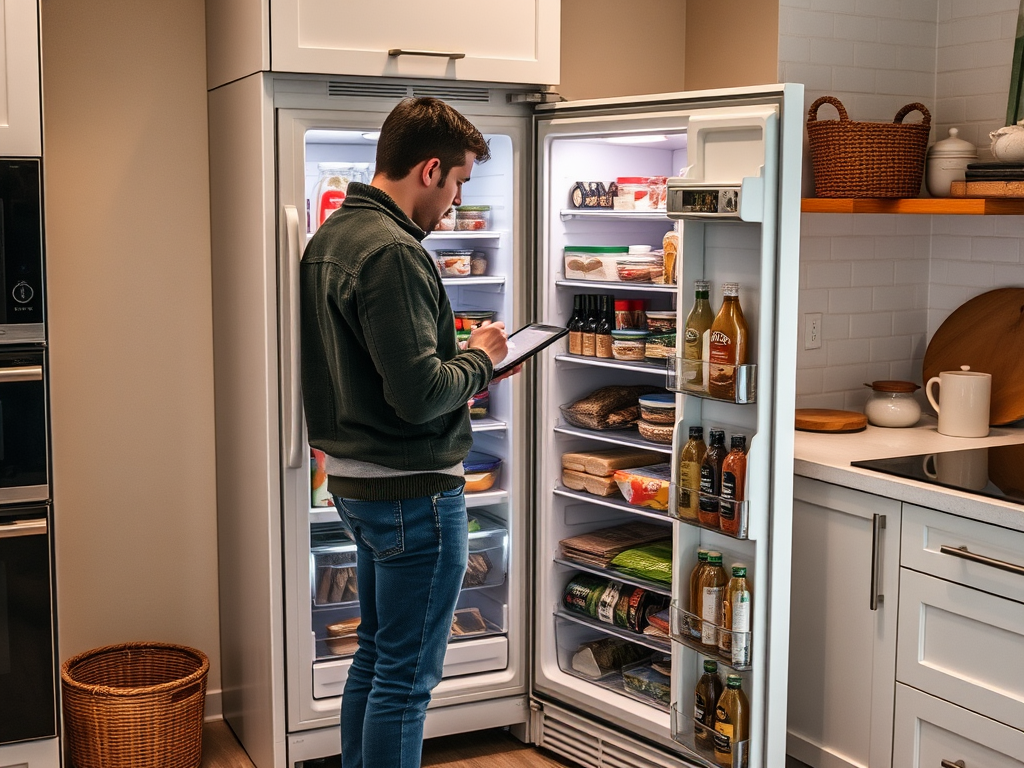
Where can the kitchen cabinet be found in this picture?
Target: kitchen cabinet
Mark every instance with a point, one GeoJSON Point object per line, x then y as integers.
{"type": "Point", "coordinates": [516, 41]}
{"type": "Point", "coordinates": [843, 626]}
{"type": "Point", "coordinates": [20, 116]}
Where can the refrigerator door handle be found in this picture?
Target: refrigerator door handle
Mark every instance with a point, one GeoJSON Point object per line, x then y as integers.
{"type": "Point", "coordinates": [877, 526]}
{"type": "Point", "coordinates": [290, 302]}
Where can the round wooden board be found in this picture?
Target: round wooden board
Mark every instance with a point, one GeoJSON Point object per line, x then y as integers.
{"type": "Point", "coordinates": [986, 333]}
{"type": "Point", "coordinates": [829, 420]}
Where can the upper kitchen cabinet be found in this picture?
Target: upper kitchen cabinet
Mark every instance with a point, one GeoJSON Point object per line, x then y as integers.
{"type": "Point", "coordinates": [515, 41]}
{"type": "Point", "coordinates": [20, 118]}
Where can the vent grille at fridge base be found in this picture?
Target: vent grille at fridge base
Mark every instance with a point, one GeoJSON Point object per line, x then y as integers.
{"type": "Point", "coordinates": [339, 89]}
{"type": "Point", "coordinates": [594, 746]}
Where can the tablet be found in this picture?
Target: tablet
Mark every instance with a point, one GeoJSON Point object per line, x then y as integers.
{"type": "Point", "coordinates": [526, 342]}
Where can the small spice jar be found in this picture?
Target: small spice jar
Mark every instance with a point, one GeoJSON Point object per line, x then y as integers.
{"type": "Point", "coordinates": [629, 345]}
{"type": "Point", "coordinates": [892, 404]}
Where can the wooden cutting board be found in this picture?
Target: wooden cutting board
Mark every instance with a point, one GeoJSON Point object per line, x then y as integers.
{"type": "Point", "coordinates": [986, 333]}
{"type": "Point", "coordinates": [829, 420]}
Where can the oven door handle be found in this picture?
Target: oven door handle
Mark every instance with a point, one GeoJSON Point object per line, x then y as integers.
{"type": "Point", "coordinates": [22, 373]}
{"type": "Point", "coordinates": [23, 528]}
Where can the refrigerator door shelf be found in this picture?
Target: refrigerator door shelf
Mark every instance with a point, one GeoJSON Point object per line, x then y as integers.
{"type": "Point", "coordinates": [741, 511]}
{"type": "Point", "coordinates": [683, 621]}
{"type": "Point", "coordinates": [682, 732]}
{"type": "Point", "coordinates": [681, 371]}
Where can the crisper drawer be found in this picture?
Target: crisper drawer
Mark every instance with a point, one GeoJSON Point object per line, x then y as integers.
{"type": "Point", "coordinates": [932, 733]}
{"type": "Point", "coordinates": [978, 555]}
{"type": "Point", "coordinates": [961, 644]}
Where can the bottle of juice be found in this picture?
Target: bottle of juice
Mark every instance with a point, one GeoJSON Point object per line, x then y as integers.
{"type": "Point", "coordinates": [712, 589]}
{"type": "Point", "coordinates": [711, 479]}
{"type": "Point", "coordinates": [605, 323]}
{"type": "Point", "coordinates": [690, 458]}
{"type": "Point", "coordinates": [732, 720]}
{"type": "Point", "coordinates": [575, 325]}
{"type": "Point", "coordinates": [694, 622]}
{"type": "Point", "coordinates": [696, 334]}
{"type": "Point", "coordinates": [734, 476]}
{"type": "Point", "coordinates": [733, 607]}
{"type": "Point", "coordinates": [705, 700]}
{"type": "Point", "coordinates": [728, 344]}
{"type": "Point", "coordinates": [590, 327]}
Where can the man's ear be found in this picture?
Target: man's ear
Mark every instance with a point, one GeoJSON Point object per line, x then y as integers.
{"type": "Point", "coordinates": [430, 167]}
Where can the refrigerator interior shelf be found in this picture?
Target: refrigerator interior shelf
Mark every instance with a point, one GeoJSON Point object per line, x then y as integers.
{"type": "Point", "coordinates": [456, 282]}
{"type": "Point", "coordinates": [486, 498]}
{"type": "Point", "coordinates": [603, 362]}
{"type": "Point", "coordinates": [683, 726]}
{"type": "Point", "coordinates": [625, 578]}
{"type": "Point", "coordinates": [741, 513]}
{"type": "Point", "coordinates": [488, 424]}
{"type": "Point", "coordinates": [462, 234]}
{"type": "Point", "coordinates": [627, 437]}
{"type": "Point", "coordinates": [680, 624]}
{"type": "Point", "coordinates": [618, 286]}
{"type": "Point", "coordinates": [610, 213]}
{"type": "Point", "coordinates": [654, 642]}
{"type": "Point", "coordinates": [613, 682]}
{"type": "Point", "coordinates": [610, 501]}
{"type": "Point", "coordinates": [681, 371]}
{"type": "Point", "coordinates": [319, 515]}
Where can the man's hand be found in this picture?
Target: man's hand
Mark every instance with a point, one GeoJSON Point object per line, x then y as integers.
{"type": "Point", "coordinates": [492, 339]}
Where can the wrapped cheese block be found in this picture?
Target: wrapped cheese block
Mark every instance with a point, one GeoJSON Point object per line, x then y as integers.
{"type": "Point", "coordinates": [646, 486]}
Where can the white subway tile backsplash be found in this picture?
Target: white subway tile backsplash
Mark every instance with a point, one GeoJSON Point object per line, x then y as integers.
{"type": "Point", "coordinates": [849, 300]}
{"type": "Point", "coordinates": [832, 52]}
{"type": "Point", "coordinates": [879, 8]}
{"type": "Point", "coordinates": [810, 358]}
{"type": "Point", "coordinates": [966, 8]}
{"type": "Point", "coordinates": [972, 226]}
{"type": "Point", "coordinates": [952, 248]}
{"type": "Point", "coordinates": [805, 22]}
{"type": "Point", "coordinates": [910, 322]}
{"type": "Point", "coordinates": [861, 28]}
{"type": "Point", "coordinates": [851, 377]}
{"type": "Point", "coordinates": [852, 248]}
{"type": "Point", "coordinates": [953, 110]}
{"type": "Point", "coordinates": [890, 349]}
{"type": "Point", "coordinates": [1008, 25]}
{"type": "Point", "coordinates": [913, 225]}
{"type": "Point", "coordinates": [855, 79]}
{"type": "Point", "coordinates": [945, 9]}
{"type": "Point", "coordinates": [1003, 249]}
{"type": "Point", "coordinates": [994, 53]}
{"type": "Point", "coordinates": [813, 301]}
{"type": "Point", "coordinates": [950, 58]}
{"type": "Point", "coordinates": [1009, 226]}
{"type": "Point", "coordinates": [826, 224]}
{"type": "Point", "coordinates": [988, 105]}
{"type": "Point", "coordinates": [911, 272]}
{"type": "Point", "coordinates": [875, 55]}
{"type": "Point", "coordinates": [834, 327]}
{"type": "Point", "coordinates": [848, 352]}
{"type": "Point", "coordinates": [815, 249]}
{"type": "Point", "coordinates": [976, 29]}
{"type": "Point", "coordinates": [871, 325]}
{"type": "Point", "coordinates": [895, 247]}
{"type": "Point", "coordinates": [817, 76]}
{"type": "Point", "coordinates": [902, 32]}
{"type": "Point", "coordinates": [1007, 275]}
{"type": "Point", "coordinates": [792, 48]}
{"type": "Point", "coordinates": [809, 381]}
{"type": "Point", "coordinates": [892, 297]}
{"type": "Point", "coordinates": [919, 10]}
{"type": "Point", "coordinates": [828, 275]}
{"type": "Point", "coordinates": [970, 273]}
{"type": "Point", "coordinates": [872, 273]}
{"type": "Point", "coordinates": [917, 58]}
{"type": "Point", "coordinates": [946, 297]}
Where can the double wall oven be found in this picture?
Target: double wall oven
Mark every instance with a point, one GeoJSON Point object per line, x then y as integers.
{"type": "Point", "coordinates": [28, 669]}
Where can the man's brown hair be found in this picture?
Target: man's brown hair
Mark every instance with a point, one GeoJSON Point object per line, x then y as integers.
{"type": "Point", "coordinates": [423, 128]}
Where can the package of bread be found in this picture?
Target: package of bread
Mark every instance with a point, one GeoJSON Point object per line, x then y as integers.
{"type": "Point", "coordinates": [341, 637]}
{"type": "Point", "coordinates": [581, 481]}
{"type": "Point", "coordinates": [670, 243]}
{"type": "Point", "coordinates": [603, 463]}
{"type": "Point", "coordinates": [612, 407]}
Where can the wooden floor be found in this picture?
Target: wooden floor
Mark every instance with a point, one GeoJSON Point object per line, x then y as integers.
{"type": "Point", "coordinates": [482, 749]}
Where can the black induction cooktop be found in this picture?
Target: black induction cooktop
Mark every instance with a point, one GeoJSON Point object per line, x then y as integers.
{"type": "Point", "coordinates": [996, 472]}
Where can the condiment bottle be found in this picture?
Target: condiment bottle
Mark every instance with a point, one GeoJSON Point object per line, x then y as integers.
{"type": "Point", "coordinates": [732, 720]}
{"type": "Point", "coordinates": [734, 476]}
{"type": "Point", "coordinates": [705, 699]}
{"type": "Point", "coordinates": [693, 621]}
{"type": "Point", "coordinates": [603, 332]}
{"type": "Point", "coordinates": [590, 327]}
{"type": "Point", "coordinates": [711, 479]}
{"type": "Point", "coordinates": [738, 583]}
{"type": "Point", "coordinates": [638, 308]}
{"type": "Point", "coordinates": [690, 458]}
{"type": "Point", "coordinates": [623, 315]}
{"type": "Point", "coordinates": [575, 325]}
{"type": "Point", "coordinates": [696, 335]}
{"type": "Point", "coordinates": [728, 344]}
{"type": "Point", "coordinates": [712, 589]}
{"type": "Point", "coordinates": [738, 593]}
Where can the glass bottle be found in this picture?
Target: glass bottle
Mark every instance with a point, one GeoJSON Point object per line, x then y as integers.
{"type": "Point", "coordinates": [590, 327]}
{"type": "Point", "coordinates": [728, 344]}
{"type": "Point", "coordinates": [575, 326]}
{"type": "Point", "coordinates": [735, 643]}
{"type": "Point", "coordinates": [734, 477]}
{"type": "Point", "coordinates": [732, 720]}
{"type": "Point", "coordinates": [737, 582]}
{"type": "Point", "coordinates": [605, 323]}
{"type": "Point", "coordinates": [690, 458]}
{"type": "Point", "coordinates": [705, 700]}
{"type": "Point", "coordinates": [712, 588]}
{"type": "Point", "coordinates": [623, 315]}
{"type": "Point", "coordinates": [693, 622]}
{"type": "Point", "coordinates": [711, 479]}
{"type": "Point", "coordinates": [696, 333]}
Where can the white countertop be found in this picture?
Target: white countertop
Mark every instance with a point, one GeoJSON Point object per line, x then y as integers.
{"type": "Point", "coordinates": [827, 457]}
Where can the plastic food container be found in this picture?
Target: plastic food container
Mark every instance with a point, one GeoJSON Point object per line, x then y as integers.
{"type": "Point", "coordinates": [481, 471]}
{"type": "Point", "coordinates": [661, 322]}
{"type": "Point", "coordinates": [658, 409]}
{"type": "Point", "coordinates": [641, 269]}
{"type": "Point", "coordinates": [660, 346]}
{"type": "Point", "coordinates": [447, 222]}
{"type": "Point", "coordinates": [469, 218]}
{"type": "Point", "coordinates": [454, 263]}
{"type": "Point", "coordinates": [480, 405]}
{"type": "Point", "coordinates": [646, 486]}
{"type": "Point", "coordinates": [590, 262]}
{"type": "Point", "coordinates": [656, 433]}
{"type": "Point", "coordinates": [629, 344]}
{"type": "Point", "coordinates": [633, 194]}
{"type": "Point", "coordinates": [478, 264]}
{"type": "Point", "coordinates": [467, 321]}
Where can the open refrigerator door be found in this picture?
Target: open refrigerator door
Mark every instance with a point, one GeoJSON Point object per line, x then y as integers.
{"type": "Point", "coordinates": [711, 188]}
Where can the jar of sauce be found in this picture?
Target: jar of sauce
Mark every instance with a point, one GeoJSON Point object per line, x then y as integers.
{"type": "Point", "coordinates": [892, 404]}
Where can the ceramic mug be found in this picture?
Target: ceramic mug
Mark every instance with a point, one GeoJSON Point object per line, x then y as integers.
{"type": "Point", "coordinates": [962, 469]}
{"type": "Point", "coordinates": [965, 396]}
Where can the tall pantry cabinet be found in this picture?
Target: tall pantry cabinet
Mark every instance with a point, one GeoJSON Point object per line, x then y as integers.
{"type": "Point", "coordinates": [21, 132]}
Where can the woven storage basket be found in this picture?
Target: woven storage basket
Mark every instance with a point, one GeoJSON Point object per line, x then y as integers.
{"type": "Point", "coordinates": [135, 705]}
{"type": "Point", "coordinates": [853, 159]}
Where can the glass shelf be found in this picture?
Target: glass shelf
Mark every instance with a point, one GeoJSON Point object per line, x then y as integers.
{"type": "Point", "coordinates": [622, 365]}
{"type": "Point", "coordinates": [614, 502]}
{"type": "Point", "coordinates": [611, 285]}
{"type": "Point", "coordinates": [625, 578]}
{"type": "Point", "coordinates": [680, 371]}
{"type": "Point", "coordinates": [653, 642]}
{"type": "Point", "coordinates": [465, 234]}
{"type": "Point", "coordinates": [458, 282]}
{"type": "Point", "coordinates": [680, 625]}
{"type": "Point", "coordinates": [487, 424]}
{"type": "Point", "coordinates": [625, 437]}
{"type": "Point", "coordinates": [610, 214]}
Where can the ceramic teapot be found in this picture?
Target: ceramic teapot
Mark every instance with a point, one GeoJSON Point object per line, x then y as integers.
{"type": "Point", "coordinates": [1008, 143]}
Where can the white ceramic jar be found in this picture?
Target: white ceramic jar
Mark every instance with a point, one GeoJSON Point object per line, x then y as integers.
{"type": "Point", "coordinates": [947, 162]}
{"type": "Point", "coordinates": [892, 404]}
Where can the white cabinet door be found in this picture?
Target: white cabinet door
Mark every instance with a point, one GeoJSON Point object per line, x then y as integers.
{"type": "Point", "coordinates": [20, 119]}
{"type": "Point", "coordinates": [513, 41]}
{"type": "Point", "coordinates": [842, 661]}
{"type": "Point", "coordinates": [932, 733]}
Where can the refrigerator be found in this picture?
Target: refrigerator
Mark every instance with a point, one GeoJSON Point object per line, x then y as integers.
{"type": "Point", "coordinates": [286, 563]}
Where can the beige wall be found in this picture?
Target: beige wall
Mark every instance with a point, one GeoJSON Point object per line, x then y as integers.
{"type": "Point", "coordinates": [128, 249]}
{"type": "Point", "coordinates": [731, 44]}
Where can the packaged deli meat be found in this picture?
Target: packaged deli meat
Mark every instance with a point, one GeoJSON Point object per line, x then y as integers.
{"type": "Point", "coordinates": [612, 407]}
{"type": "Point", "coordinates": [646, 486]}
{"type": "Point", "coordinates": [602, 546]}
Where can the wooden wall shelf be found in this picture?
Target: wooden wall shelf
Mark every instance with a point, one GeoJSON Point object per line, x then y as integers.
{"type": "Point", "coordinates": [976, 206]}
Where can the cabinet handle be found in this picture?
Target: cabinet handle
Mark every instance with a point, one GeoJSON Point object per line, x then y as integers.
{"type": "Point", "coordinates": [24, 373]}
{"type": "Point", "coordinates": [964, 553]}
{"type": "Point", "coordinates": [23, 528]}
{"type": "Point", "coordinates": [951, 764]}
{"type": "Point", "coordinates": [877, 526]}
{"type": "Point", "coordinates": [440, 54]}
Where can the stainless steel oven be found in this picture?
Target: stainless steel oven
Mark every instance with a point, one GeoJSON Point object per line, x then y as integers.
{"type": "Point", "coordinates": [24, 432]}
{"type": "Point", "coordinates": [27, 659]}
{"type": "Point", "coordinates": [22, 284]}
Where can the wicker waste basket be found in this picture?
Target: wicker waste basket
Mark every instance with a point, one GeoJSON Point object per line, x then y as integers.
{"type": "Point", "coordinates": [135, 705]}
{"type": "Point", "coordinates": [856, 159]}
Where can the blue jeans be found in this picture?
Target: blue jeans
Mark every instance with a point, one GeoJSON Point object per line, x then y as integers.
{"type": "Point", "coordinates": [411, 560]}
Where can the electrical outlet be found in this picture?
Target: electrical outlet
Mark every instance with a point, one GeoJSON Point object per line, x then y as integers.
{"type": "Point", "coordinates": [812, 331]}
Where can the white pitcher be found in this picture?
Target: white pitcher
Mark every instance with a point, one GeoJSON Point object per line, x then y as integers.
{"type": "Point", "coordinates": [966, 396]}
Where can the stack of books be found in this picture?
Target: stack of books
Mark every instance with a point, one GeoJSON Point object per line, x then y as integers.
{"type": "Point", "coordinates": [991, 180]}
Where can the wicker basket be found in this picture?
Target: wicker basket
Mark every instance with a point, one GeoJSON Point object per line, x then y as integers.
{"type": "Point", "coordinates": [136, 705]}
{"type": "Point", "coordinates": [853, 159]}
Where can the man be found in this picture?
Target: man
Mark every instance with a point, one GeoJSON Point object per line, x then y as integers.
{"type": "Point", "coordinates": [385, 387]}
